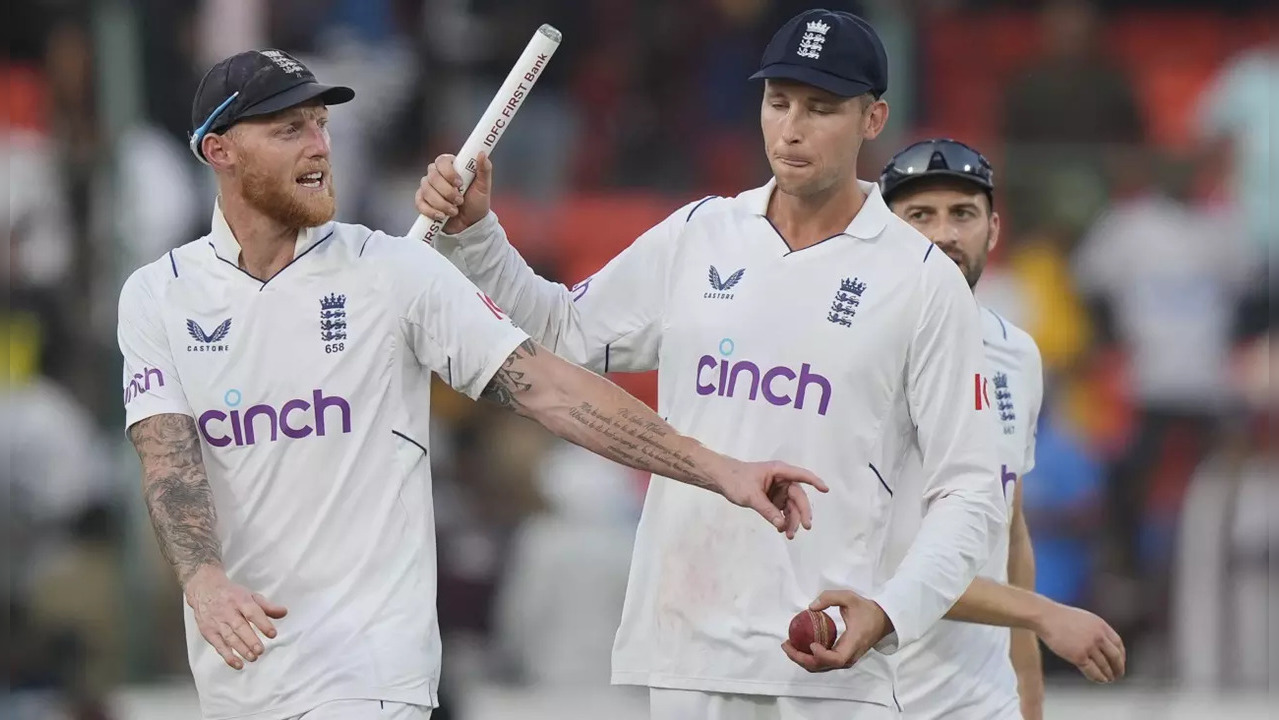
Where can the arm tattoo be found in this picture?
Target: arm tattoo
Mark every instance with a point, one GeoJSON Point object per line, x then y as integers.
{"type": "Point", "coordinates": [608, 422]}
{"type": "Point", "coordinates": [508, 383]}
{"type": "Point", "coordinates": [638, 438]}
{"type": "Point", "coordinates": [176, 488]}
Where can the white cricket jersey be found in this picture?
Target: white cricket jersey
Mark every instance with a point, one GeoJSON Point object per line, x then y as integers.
{"type": "Point", "coordinates": [311, 396]}
{"type": "Point", "coordinates": [962, 670]}
{"type": "Point", "coordinates": [844, 358]}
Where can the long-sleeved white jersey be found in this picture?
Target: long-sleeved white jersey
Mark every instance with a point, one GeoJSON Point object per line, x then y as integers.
{"type": "Point", "coordinates": [962, 671]}
{"type": "Point", "coordinates": [847, 358]}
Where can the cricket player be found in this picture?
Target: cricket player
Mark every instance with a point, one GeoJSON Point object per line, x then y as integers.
{"type": "Point", "coordinates": [801, 320]}
{"type": "Point", "coordinates": [963, 671]}
{"type": "Point", "coordinates": [276, 387]}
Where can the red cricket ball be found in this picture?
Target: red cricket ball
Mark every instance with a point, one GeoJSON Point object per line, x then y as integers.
{"type": "Point", "coordinates": [811, 626]}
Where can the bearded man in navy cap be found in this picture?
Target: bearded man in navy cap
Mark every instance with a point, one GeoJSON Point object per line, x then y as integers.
{"type": "Point", "coordinates": [801, 320]}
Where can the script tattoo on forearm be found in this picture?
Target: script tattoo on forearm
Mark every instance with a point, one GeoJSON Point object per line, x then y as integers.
{"type": "Point", "coordinates": [639, 439]}
{"type": "Point", "coordinates": [176, 488]}
{"type": "Point", "coordinates": [508, 383]}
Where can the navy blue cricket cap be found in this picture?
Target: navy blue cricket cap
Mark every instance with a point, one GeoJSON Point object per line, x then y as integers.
{"type": "Point", "coordinates": [936, 157]}
{"type": "Point", "coordinates": [253, 83]}
{"type": "Point", "coordinates": [830, 49]}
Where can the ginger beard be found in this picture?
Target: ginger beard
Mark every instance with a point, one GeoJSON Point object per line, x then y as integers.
{"type": "Point", "coordinates": [279, 196]}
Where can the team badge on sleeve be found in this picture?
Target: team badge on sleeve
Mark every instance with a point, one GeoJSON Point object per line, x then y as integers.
{"type": "Point", "coordinates": [1004, 398]}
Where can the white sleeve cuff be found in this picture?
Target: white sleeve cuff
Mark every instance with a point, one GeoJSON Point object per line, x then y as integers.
{"type": "Point", "coordinates": [479, 232]}
{"type": "Point", "coordinates": [468, 249]}
{"type": "Point", "coordinates": [896, 611]}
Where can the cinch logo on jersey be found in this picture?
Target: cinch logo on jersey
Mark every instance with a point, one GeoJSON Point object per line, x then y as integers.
{"type": "Point", "coordinates": [297, 418]}
{"type": "Point", "coordinates": [580, 289]}
{"type": "Point", "coordinates": [727, 378]}
{"type": "Point", "coordinates": [141, 383]}
{"type": "Point", "coordinates": [1006, 478]}
{"type": "Point", "coordinates": [208, 342]}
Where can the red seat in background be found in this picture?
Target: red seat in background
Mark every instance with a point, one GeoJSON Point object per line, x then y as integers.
{"type": "Point", "coordinates": [590, 230]}
{"type": "Point", "coordinates": [579, 235]}
{"type": "Point", "coordinates": [969, 58]}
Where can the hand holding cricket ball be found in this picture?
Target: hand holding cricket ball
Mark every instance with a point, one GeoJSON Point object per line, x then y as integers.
{"type": "Point", "coordinates": [813, 642]}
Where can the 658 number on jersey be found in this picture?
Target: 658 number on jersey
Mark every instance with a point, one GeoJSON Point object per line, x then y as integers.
{"type": "Point", "coordinates": [334, 347]}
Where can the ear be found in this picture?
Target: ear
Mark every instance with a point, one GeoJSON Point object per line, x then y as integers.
{"type": "Point", "coordinates": [874, 119]}
{"type": "Point", "coordinates": [219, 150]}
{"type": "Point", "coordinates": [994, 232]}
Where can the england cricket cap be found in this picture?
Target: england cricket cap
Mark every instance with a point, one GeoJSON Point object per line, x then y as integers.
{"type": "Point", "coordinates": [936, 157]}
{"type": "Point", "coordinates": [830, 49]}
{"type": "Point", "coordinates": [253, 83]}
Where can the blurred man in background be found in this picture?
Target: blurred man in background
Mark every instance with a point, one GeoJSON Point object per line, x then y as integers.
{"type": "Point", "coordinates": [945, 189]}
{"type": "Point", "coordinates": [1165, 279]}
{"type": "Point", "coordinates": [1062, 118]}
{"type": "Point", "coordinates": [727, 279]}
{"type": "Point", "coordinates": [1236, 118]}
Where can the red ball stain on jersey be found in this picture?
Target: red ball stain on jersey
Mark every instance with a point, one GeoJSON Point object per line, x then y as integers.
{"type": "Point", "coordinates": [811, 626]}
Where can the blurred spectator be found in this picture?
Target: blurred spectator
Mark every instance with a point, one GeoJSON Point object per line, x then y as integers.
{"type": "Point", "coordinates": [727, 127]}
{"type": "Point", "coordinates": [1237, 115]}
{"type": "Point", "coordinates": [39, 228]}
{"type": "Point", "coordinates": [1165, 278]}
{"type": "Point", "coordinates": [226, 27]}
{"type": "Point", "coordinates": [1075, 93]}
{"type": "Point", "coordinates": [1223, 597]}
{"type": "Point", "coordinates": [169, 44]}
{"type": "Point", "coordinates": [583, 541]}
{"type": "Point", "coordinates": [69, 65]}
{"type": "Point", "coordinates": [58, 466]}
{"type": "Point", "coordinates": [78, 593]}
{"type": "Point", "coordinates": [1063, 496]}
{"type": "Point", "coordinates": [39, 221]}
{"type": "Point", "coordinates": [1062, 116]}
{"type": "Point", "coordinates": [360, 44]}
{"type": "Point", "coordinates": [60, 526]}
{"type": "Point", "coordinates": [483, 490]}
{"type": "Point", "coordinates": [536, 157]}
{"type": "Point", "coordinates": [1035, 290]}
{"type": "Point", "coordinates": [160, 191]}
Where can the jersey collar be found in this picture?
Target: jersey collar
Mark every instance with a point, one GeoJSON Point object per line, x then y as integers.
{"type": "Point", "coordinates": [867, 225]}
{"type": "Point", "coordinates": [228, 248]}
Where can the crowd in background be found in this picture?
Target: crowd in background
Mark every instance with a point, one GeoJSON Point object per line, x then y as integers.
{"type": "Point", "coordinates": [1135, 172]}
